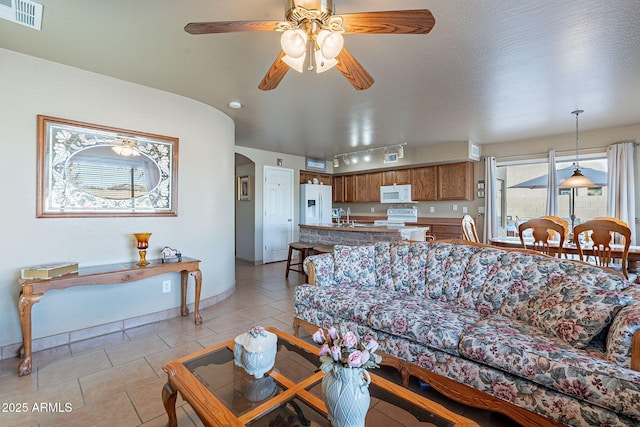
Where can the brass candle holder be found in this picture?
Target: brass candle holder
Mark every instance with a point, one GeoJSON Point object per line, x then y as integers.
{"type": "Point", "coordinates": [142, 245]}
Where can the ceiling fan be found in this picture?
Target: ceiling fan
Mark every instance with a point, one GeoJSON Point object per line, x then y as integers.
{"type": "Point", "coordinates": [311, 26]}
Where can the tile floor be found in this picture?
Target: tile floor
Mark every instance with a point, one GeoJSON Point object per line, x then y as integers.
{"type": "Point", "coordinates": [116, 380]}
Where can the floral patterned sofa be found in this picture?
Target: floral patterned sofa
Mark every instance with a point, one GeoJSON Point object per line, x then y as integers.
{"type": "Point", "coordinates": [550, 336]}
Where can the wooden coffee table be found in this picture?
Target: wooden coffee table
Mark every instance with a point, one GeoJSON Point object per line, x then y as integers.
{"type": "Point", "coordinates": [223, 394]}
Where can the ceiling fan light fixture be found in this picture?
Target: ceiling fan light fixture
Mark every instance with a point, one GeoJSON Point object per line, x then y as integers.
{"type": "Point", "coordinates": [323, 64]}
{"type": "Point", "coordinates": [294, 43]}
{"type": "Point", "coordinates": [330, 43]}
{"type": "Point", "coordinates": [295, 63]}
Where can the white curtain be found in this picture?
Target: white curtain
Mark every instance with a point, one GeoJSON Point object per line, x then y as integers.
{"type": "Point", "coordinates": [490, 208]}
{"type": "Point", "coordinates": [621, 202]}
{"type": "Point", "coordinates": [552, 186]}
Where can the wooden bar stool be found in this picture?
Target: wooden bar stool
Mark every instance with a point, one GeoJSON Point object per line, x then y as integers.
{"type": "Point", "coordinates": [304, 249]}
{"type": "Point", "coordinates": [323, 249]}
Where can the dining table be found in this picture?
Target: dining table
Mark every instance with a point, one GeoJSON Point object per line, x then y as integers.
{"type": "Point", "coordinates": [570, 248]}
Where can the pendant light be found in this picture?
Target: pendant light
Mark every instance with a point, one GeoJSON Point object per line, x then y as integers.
{"type": "Point", "coordinates": [577, 180]}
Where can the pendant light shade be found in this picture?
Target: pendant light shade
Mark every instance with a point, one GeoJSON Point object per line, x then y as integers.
{"type": "Point", "coordinates": [577, 180]}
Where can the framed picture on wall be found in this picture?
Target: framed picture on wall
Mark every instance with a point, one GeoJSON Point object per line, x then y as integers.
{"type": "Point", "coordinates": [244, 188]}
{"type": "Point", "coordinates": [316, 165]}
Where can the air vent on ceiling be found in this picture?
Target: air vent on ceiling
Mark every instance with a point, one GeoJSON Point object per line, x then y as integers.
{"type": "Point", "coordinates": [23, 12]}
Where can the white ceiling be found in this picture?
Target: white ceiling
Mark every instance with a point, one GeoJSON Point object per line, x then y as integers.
{"type": "Point", "coordinates": [489, 71]}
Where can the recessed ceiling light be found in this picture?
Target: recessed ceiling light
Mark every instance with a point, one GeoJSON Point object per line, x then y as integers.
{"type": "Point", "coordinates": [235, 105]}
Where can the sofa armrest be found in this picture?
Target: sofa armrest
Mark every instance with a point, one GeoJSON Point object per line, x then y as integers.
{"type": "Point", "coordinates": [623, 340]}
{"type": "Point", "coordinates": [635, 351]}
{"type": "Point", "coordinates": [319, 269]}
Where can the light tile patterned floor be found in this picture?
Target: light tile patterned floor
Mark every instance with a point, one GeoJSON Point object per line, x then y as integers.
{"type": "Point", "coordinates": [116, 380]}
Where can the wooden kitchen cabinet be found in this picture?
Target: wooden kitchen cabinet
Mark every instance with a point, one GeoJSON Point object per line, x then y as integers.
{"type": "Point", "coordinates": [428, 183]}
{"type": "Point", "coordinates": [423, 183]}
{"type": "Point", "coordinates": [306, 176]}
{"type": "Point", "coordinates": [368, 187]}
{"type": "Point", "coordinates": [350, 188]}
{"type": "Point", "coordinates": [337, 189]}
{"type": "Point", "coordinates": [455, 181]}
{"type": "Point", "coordinates": [400, 176]}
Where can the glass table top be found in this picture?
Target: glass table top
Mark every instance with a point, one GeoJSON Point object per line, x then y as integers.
{"type": "Point", "coordinates": [241, 393]}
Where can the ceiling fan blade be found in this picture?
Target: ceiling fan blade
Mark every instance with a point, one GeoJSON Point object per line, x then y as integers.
{"type": "Point", "coordinates": [275, 74]}
{"type": "Point", "coordinates": [353, 71]}
{"type": "Point", "coordinates": [419, 21]}
{"type": "Point", "coordinates": [229, 26]}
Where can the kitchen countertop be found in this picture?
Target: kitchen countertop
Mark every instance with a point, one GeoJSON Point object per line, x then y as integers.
{"type": "Point", "coordinates": [363, 233]}
{"type": "Point", "coordinates": [362, 227]}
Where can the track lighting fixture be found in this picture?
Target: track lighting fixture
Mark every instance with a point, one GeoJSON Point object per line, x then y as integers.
{"type": "Point", "coordinates": [396, 151]}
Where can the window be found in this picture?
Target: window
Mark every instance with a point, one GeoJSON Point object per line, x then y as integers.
{"type": "Point", "coordinates": [525, 191]}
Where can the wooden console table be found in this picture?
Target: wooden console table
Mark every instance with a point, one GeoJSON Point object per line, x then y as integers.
{"type": "Point", "coordinates": [33, 290]}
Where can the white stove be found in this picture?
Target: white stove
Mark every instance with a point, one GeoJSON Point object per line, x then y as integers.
{"type": "Point", "coordinates": [399, 216]}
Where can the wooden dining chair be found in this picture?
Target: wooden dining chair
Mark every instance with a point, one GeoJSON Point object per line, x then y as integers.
{"type": "Point", "coordinates": [601, 232]}
{"type": "Point", "coordinates": [542, 229]}
{"type": "Point", "coordinates": [469, 229]}
{"type": "Point", "coordinates": [560, 221]}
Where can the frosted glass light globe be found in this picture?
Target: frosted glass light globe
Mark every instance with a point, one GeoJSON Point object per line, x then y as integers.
{"type": "Point", "coordinates": [294, 43]}
{"type": "Point", "coordinates": [330, 43]}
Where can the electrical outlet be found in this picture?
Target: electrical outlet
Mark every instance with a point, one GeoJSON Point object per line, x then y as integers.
{"type": "Point", "coordinates": [432, 209]}
{"type": "Point", "coordinates": [455, 208]}
{"type": "Point", "coordinates": [373, 209]}
{"type": "Point", "coordinates": [464, 210]}
{"type": "Point", "coordinates": [166, 286]}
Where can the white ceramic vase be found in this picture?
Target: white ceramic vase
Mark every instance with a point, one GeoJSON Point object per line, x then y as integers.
{"type": "Point", "coordinates": [346, 394]}
{"type": "Point", "coordinates": [256, 354]}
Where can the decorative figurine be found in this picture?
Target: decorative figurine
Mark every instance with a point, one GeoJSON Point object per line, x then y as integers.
{"type": "Point", "coordinates": [169, 254]}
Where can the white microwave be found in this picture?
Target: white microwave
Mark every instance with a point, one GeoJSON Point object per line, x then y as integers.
{"type": "Point", "coordinates": [395, 194]}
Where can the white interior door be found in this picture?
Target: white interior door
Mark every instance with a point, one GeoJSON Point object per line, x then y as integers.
{"type": "Point", "coordinates": [278, 213]}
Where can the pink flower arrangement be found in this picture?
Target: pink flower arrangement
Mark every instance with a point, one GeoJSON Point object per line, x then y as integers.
{"type": "Point", "coordinates": [344, 350]}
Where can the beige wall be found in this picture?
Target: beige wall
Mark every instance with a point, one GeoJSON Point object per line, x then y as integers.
{"type": "Point", "coordinates": [202, 229]}
{"type": "Point", "coordinates": [245, 222]}
{"type": "Point", "coordinates": [263, 158]}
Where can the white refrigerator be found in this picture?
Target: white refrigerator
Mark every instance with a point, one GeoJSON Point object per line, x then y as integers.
{"type": "Point", "coordinates": [315, 204]}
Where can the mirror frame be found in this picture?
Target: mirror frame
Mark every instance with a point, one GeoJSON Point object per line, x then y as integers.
{"type": "Point", "coordinates": [54, 151]}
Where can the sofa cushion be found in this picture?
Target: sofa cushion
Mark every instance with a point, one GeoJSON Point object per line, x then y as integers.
{"type": "Point", "coordinates": [511, 267]}
{"type": "Point", "coordinates": [622, 329]}
{"type": "Point", "coordinates": [354, 266]}
{"type": "Point", "coordinates": [352, 303]}
{"type": "Point", "coordinates": [382, 259]}
{"type": "Point", "coordinates": [434, 323]}
{"type": "Point", "coordinates": [529, 352]}
{"type": "Point", "coordinates": [592, 275]}
{"type": "Point", "coordinates": [446, 265]}
{"type": "Point", "coordinates": [400, 260]}
{"type": "Point", "coordinates": [324, 268]}
{"type": "Point", "coordinates": [418, 252]}
{"type": "Point", "coordinates": [529, 282]}
{"type": "Point", "coordinates": [571, 311]}
{"type": "Point", "coordinates": [476, 274]}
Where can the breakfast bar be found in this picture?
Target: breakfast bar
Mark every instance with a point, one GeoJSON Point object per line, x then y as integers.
{"type": "Point", "coordinates": [358, 234]}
